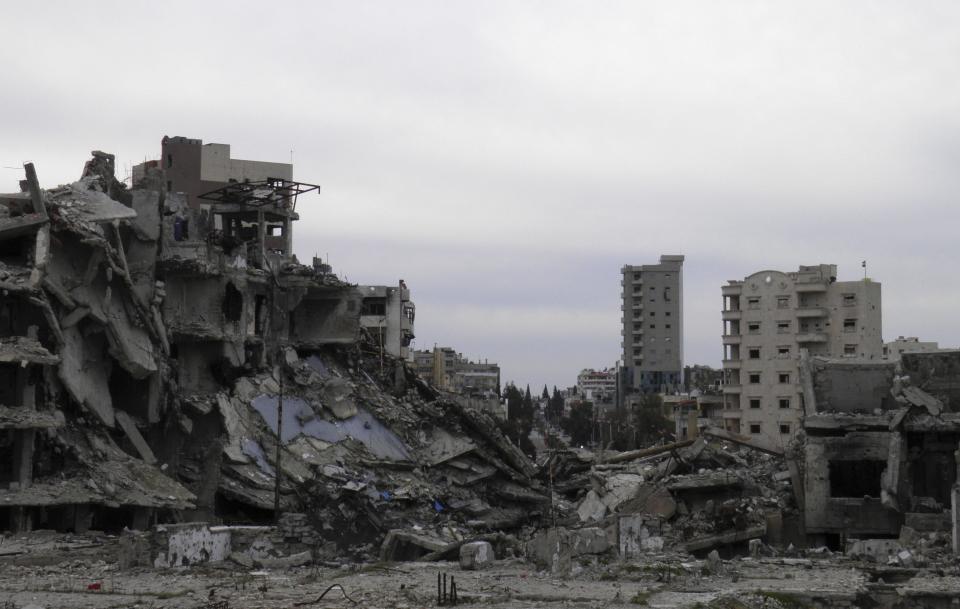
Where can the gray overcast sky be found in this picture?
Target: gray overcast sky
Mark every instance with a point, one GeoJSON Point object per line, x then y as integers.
{"type": "Point", "coordinates": [506, 158]}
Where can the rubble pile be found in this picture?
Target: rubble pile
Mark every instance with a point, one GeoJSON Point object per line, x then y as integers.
{"type": "Point", "coordinates": [690, 496]}
{"type": "Point", "coordinates": [365, 453]}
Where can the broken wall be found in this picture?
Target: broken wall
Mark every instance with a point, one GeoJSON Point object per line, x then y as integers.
{"type": "Point", "coordinates": [843, 485]}
{"type": "Point", "coordinates": [852, 386]}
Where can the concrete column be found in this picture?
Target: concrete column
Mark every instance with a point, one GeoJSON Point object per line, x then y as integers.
{"type": "Point", "coordinates": [693, 432]}
{"type": "Point", "coordinates": [82, 518]}
{"type": "Point", "coordinates": [23, 447]}
{"type": "Point", "coordinates": [955, 520]}
{"type": "Point", "coordinates": [141, 519]}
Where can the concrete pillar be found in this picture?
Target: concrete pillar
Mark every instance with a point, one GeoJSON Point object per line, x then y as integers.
{"type": "Point", "coordinates": [82, 518]}
{"type": "Point", "coordinates": [693, 432]}
{"type": "Point", "coordinates": [955, 520]}
{"type": "Point", "coordinates": [23, 447]}
{"type": "Point", "coordinates": [141, 518]}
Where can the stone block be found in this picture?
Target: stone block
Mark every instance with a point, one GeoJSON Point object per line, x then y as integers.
{"type": "Point", "coordinates": [476, 555]}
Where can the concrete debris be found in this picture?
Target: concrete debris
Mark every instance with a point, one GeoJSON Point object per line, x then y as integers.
{"type": "Point", "coordinates": [179, 388]}
{"type": "Point", "coordinates": [476, 555]}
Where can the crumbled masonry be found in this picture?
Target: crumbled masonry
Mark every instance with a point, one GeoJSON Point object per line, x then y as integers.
{"type": "Point", "coordinates": [164, 361]}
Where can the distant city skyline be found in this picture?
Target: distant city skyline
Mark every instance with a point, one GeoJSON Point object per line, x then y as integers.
{"type": "Point", "coordinates": [507, 159]}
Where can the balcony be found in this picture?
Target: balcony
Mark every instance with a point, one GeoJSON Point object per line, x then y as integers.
{"type": "Point", "coordinates": [731, 339]}
{"type": "Point", "coordinates": [732, 290]}
{"type": "Point", "coordinates": [638, 306]}
{"type": "Point", "coordinates": [808, 288]}
{"type": "Point", "coordinates": [812, 312]}
{"type": "Point", "coordinates": [731, 413]}
{"type": "Point", "coordinates": [731, 389]}
{"type": "Point", "coordinates": [731, 364]}
{"type": "Point", "coordinates": [637, 343]}
{"type": "Point", "coordinates": [637, 331]}
{"type": "Point", "coordinates": [811, 337]}
{"type": "Point", "coordinates": [731, 315]}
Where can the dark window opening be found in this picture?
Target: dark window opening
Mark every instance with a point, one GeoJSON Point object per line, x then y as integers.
{"type": "Point", "coordinates": [754, 428]}
{"type": "Point", "coordinates": [232, 304]}
{"type": "Point", "coordinates": [754, 402]}
{"type": "Point", "coordinates": [169, 160]}
{"type": "Point", "coordinates": [856, 479]}
{"type": "Point", "coordinates": [754, 353]}
{"type": "Point", "coordinates": [374, 306]}
{"type": "Point", "coordinates": [260, 310]}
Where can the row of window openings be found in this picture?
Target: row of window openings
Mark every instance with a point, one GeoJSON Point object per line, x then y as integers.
{"type": "Point", "coordinates": [784, 403]}
{"type": "Point", "coordinates": [754, 378]}
{"type": "Point", "coordinates": [652, 352]}
{"type": "Point", "coordinates": [637, 276]}
{"type": "Point", "coordinates": [783, 327]}
{"type": "Point", "coordinates": [784, 352]}
{"type": "Point", "coordinates": [651, 326]}
{"type": "Point", "coordinates": [784, 428]}
{"type": "Point", "coordinates": [667, 296]}
{"type": "Point", "coordinates": [783, 302]}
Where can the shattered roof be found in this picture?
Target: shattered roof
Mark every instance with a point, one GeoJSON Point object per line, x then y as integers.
{"type": "Point", "coordinates": [80, 202]}
{"type": "Point", "coordinates": [107, 483]}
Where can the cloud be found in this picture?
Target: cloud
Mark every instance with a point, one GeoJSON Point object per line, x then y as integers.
{"type": "Point", "coordinates": [507, 158]}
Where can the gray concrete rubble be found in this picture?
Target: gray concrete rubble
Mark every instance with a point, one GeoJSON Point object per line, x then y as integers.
{"type": "Point", "coordinates": [190, 417]}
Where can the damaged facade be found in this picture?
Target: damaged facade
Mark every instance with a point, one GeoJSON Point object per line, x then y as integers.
{"type": "Point", "coordinates": [880, 454]}
{"type": "Point", "coordinates": [166, 356]}
{"type": "Point", "coordinates": [768, 318]}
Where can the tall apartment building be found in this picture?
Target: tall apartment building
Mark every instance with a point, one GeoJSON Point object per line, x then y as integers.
{"type": "Point", "coordinates": [767, 319]}
{"type": "Point", "coordinates": [652, 334]}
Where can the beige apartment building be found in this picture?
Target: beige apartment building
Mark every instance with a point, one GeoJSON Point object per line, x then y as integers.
{"type": "Point", "coordinates": [767, 319]}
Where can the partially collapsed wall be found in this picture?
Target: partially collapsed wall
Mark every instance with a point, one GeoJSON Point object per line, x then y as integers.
{"type": "Point", "coordinates": [161, 362]}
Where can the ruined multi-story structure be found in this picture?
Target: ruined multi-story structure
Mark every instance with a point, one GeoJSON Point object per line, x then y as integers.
{"type": "Point", "coordinates": [768, 318]}
{"type": "Point", "coordinates": [881, 445]}
{"type": "Point", "coordinates": [387, 313]}
{"type": "Point", "coordinates": [134, 297]}
{"type": "Point", "coordinates": [652, 317]}
{"type": "Point", "coordinates": [167, 358]}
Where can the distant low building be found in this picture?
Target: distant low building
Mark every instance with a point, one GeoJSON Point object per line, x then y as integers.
{"type": "Point", "coordinates": [909, 344]}
{"type": "Point", "coordinates": [690, 413]}
{"type": "Point", "coordinates": [450, 371]}
{"type": "Point", "coordinates": [597, 386]}
{"type": "Point", "coordinates": [702, 379]}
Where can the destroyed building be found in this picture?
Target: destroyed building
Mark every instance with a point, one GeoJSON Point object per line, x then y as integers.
{"type": "Point", "coordinates": [880, 453]}
{"type": "Point", "coordinates": [387, 314]}
{"type": "Point", "coordinates": [168, 359]}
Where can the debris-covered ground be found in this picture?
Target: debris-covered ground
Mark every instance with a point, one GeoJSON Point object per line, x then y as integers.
{"type": "Point", "coordinates": [53, 571]}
